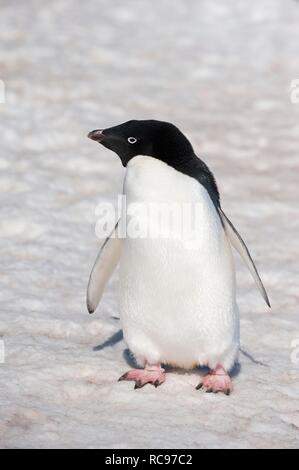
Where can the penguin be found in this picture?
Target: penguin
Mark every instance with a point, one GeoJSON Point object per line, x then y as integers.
{"type": "Point", "coordinates": [177, 300]}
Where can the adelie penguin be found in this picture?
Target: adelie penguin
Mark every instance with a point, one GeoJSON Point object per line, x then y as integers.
{"type": "Point", "coordinates": [177, 300]}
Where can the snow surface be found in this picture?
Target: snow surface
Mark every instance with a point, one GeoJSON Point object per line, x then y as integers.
{"type": "Point", "coordinates": [221, 71]}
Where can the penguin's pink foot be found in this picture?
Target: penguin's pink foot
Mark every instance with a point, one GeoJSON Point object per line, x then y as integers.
{"type": "Point", "coordinates": [151, 374]}
{"type": "Point", "coordinates": [217, 381]}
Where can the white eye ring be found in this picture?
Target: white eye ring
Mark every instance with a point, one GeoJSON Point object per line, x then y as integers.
{"type": "Point", "coordinates": [132, 140]}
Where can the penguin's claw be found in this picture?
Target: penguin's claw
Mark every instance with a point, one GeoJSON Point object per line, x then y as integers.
{"type": "Point", "coordinates": [139, 384]}
{"type": "Point", "coordinates": [215, 382]}
{"type": "Point", "coordinates": [154, 376]}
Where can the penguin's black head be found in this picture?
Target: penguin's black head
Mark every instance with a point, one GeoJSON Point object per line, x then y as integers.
{"type": "Point", "coordinates": [157, 139]}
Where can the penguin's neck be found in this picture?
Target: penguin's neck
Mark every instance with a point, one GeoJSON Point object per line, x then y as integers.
{"type": "Point", "coordinates": [193, 166]}
{"type": "Point", "coordinates": [190, 165]}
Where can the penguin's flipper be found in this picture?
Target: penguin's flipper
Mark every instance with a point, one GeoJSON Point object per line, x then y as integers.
{"type": "Point", "coordinates": [239, 245]}
{"type": "Point", "coordinates": [102, 270]}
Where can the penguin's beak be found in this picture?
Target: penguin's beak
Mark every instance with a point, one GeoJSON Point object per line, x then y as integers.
{"type": "Point", "coordinates": [96, 135]}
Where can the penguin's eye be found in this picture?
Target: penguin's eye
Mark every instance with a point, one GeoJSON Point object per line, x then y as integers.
{"type": "Point", "coordinates": [132, 140]}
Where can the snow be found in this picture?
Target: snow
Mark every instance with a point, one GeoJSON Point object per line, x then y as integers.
{"type": "Point", "coordinates": [222, 72]}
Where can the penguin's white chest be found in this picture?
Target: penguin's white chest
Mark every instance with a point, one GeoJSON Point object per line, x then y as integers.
{"type": "Point", "coordinates": [177, 278]}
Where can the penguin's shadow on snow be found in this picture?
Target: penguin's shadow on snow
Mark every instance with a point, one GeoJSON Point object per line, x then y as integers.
{"type": "Point", "coordinates": [129, 358]}
{"type": "Point", "coordinates": [110, 342]}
